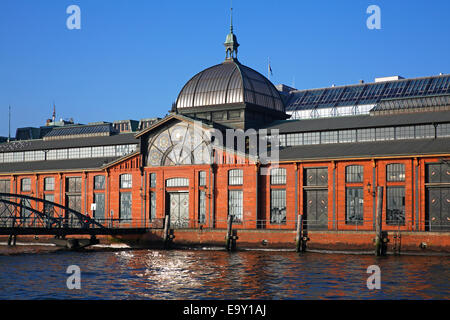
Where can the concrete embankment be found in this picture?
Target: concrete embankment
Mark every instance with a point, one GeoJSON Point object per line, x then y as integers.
{"type": "Point", "coordinates": [357, 241]}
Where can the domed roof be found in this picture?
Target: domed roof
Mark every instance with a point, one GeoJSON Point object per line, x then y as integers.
{"type": "Point", "coordinates": [229, 83]}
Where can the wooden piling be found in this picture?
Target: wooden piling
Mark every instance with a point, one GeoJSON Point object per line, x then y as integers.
{"type": "Point", "coordinates": [380, 236]}
{"type": "Point", "coordinates": [298, 237]}
{"type": "Point", "coordinates": [301, 235]}
{"type": "Point", "coordinates": [229, 235]}
{"type": "Point", "coordinates": [168, 235]}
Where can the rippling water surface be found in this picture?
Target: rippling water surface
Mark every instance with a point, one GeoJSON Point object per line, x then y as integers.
{"type": "Point", "coordinates": [206, 274]}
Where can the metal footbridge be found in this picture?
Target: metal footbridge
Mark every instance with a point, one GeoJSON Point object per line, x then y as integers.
{"type": "Point", "coordinates": [26, 215]}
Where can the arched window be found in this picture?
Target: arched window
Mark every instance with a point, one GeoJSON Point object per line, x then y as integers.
{"type": "Point", "coordinates": [354, 174]}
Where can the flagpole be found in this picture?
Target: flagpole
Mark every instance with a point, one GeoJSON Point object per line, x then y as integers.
{"type": "Point", "coordinates": [268, 68]}
{"type": "Point", "coordinates": [9, 124]}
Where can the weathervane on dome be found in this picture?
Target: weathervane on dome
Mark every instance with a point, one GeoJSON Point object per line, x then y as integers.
{"type": "Point", "coordinates": [231, 43]}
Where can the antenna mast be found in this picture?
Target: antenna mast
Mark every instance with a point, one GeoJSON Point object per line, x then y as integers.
{"type": "Point", "coordinates": [9, 124]}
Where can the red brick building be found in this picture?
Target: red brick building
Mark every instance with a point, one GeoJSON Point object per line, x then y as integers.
{"type": "Point", "coordinates": [336, 146]}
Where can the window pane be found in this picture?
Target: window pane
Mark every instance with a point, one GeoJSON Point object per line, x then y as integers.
{"type": "Point", "coordinates": [354, 206]}
{"type": "Point", "coordinates": [5, 186]}
{"type": "Point", "coordinates": [346, 136]}
{"type": "Point", "coordinates": [235, 177]}
{"type": "Point", "coordinates": [152, 205]}
{"type": "Point", "coordinates": [8, 157]}
{"type": "Point", "coordinates": [48, 208]}
{"type": "Point", "coordinates": [235, 204]}
{"type": "Point", "coordinates": [424, 131]}
{"type": "Point", "coordinates": [278, 206]}
{"type": "Point", "coordinates": [395, 172]}
{"type": "Point", "coordinates": [73, 184]}
{"type": "Point", "coordinates": [329, 137]}
{"type": "Point", "coordinates": [109, 151]}
{"type": "Point", "coordinates": [99, 200]}
{"type": "Point", "coordinates": [311, 138]}
{"type": "Point", "coordinates": [443, 130]}
{"type": "Point", "coordinates": [365, 135]}
{"type": "Point", "coordinates": [26, 213]}
{"type": "Point", "coordinates": [395, 206]}
{"type": "Point", "coordinates": [18, 156]}
{"type": "Point", "coordinates": [202, 178]}
{"type": "Point", "coordinates": [97, 152]}
{"type": "Point", "coordinates": [52, 155]}
{"type": "Point", "coordinates": [99, 182]}
{"type": "Point", "coordinates": [383, 134]}
{"type": "Point", "coordinates": [202, 207]}
{"type": "Point", "coordinates": [125, 181]}
{"type": "Point", "coordinates": [177, 182]}
{"type": "Point", "coordinates": [85, 152]}
{"type": "Point", "coordinates": [74, 153]}
{"type": "Point", "coordinates": [354, 174]}
{"type": "Point", "coordinates": [294, 139]}
{"type": "Point", "coordinates": [278, 176]}
{"type": "Point", "coordinates": [125, 205]}
{"type": "Point", "coordinates": [49, 184]}
{"type": "Point", "coordinates": [152, 180]}
{"type": "Point", "coordinates": [406, 132]}
{"type": "Point", "coordinates": [61, 154]}
{"type": "Point", "coordinates": [29, 156]}
{"type": "Point", "coordinates": [26, 184]}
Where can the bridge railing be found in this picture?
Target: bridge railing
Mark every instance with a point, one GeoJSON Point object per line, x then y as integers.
{"type": "Point", "coordinates": [18, 210]}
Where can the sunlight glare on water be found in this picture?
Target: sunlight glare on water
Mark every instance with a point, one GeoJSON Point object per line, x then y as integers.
{"type": "Point", "coordinates": [207, 274]}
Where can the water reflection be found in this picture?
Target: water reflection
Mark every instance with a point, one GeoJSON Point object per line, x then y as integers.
{"type": "Point", "coordinates": [155, 274]}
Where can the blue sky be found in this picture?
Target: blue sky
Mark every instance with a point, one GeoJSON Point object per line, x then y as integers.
{"type": "Point", "coordinates": [131, 58]}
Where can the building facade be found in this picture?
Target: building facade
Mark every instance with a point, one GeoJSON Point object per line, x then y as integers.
{"type": "Point", "coordinates": [336, 146]}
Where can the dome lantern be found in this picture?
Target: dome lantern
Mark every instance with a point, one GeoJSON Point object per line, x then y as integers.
{"type": "Point", "coordinates": [231, 44]}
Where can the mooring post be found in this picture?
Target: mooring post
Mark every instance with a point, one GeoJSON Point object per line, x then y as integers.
{"type": "Point", "coordinates": [380, 236]}
{"type": "Point", "coordinates": [168, 234]}
{"type": "Point", "coordinates": [230, 238]}
{"type": "Point", "coordinates": [298, 236]}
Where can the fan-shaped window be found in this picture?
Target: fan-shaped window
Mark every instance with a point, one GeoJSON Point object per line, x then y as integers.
{"type": "Point", "coordinates": [181, 144]}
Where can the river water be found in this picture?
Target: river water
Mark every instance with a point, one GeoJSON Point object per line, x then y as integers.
{"type": "Point", "coordinates": [31, 272]}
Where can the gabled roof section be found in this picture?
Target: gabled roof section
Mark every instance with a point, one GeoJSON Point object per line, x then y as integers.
{"type": "Point", "coordinates": [204, 124]}
{"type": "Point", "coordinates": [120, 160]}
